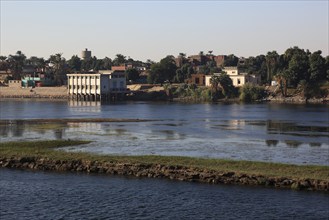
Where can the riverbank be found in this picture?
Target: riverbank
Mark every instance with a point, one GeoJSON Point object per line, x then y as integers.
{"type": "Point", "coordinates": [43, 155]}
{"type": "Point", "coordinates": [141, 93]}
{"type": "Point", "coordinates": [59, 92]}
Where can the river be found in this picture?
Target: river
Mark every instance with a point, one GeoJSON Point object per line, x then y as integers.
{"type": "Point", "coordinates": [286, 133]}
{"type": "Point", "coordinates": [39, 195]}
{"type": "Point", "coordinates": [296, 134]}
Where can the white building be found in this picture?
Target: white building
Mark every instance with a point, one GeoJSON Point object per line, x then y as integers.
{"type": "Point", "coordinates": [95, 86]}
{"type": "Point", "coordinates": [238, 79]}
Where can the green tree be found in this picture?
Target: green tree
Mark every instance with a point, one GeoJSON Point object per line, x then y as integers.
{"type": "Point", "coordinates": [226, 84]}
{"type": "Point", "coordinates": [132, 74]}
{"type": "Point", "coordinates": [272, 62]}
{"type": "Point", "coordinates": [59, 68]}
{"type": "Point", "coordinates": [251, 93]}
{"type": "Point", "coordinates": [163, 71]}
{"type": "Point", "coordinates": [119, 60]}
{"type": "Point", "coordinates": [298, 65]}
{"type": "Point", "coordinates": [16, 63]}
{"type": "Point", "coordinates": [214, 81]}
{"type": "Point", "coordinates": [317, 70]}
{"type": "Point", "coordinates": [4, 65]}
{"type": "Point", "coordinates": [231, 60]}
{"type": "Point", "coordinates": [75, 63]}
{"type": "Point", "coordinates": [107, 63]}
{"type": "Point", "coordinates": [327, 66]}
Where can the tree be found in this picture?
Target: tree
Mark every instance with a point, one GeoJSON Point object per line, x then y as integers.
{"type": "Point", "coordinates": [224, 82]}
{"type": "Point", "coordinates": [214, 81]}
{"type": "Point", "coordinates": [119, 60]}
{"type": "Point", "coordinates": [251, 92]}
{"type": "Point", "coordinates": [231, 60]}
{"type": "Point", "coordinates": [59, 69]}
{"type": "Point", "coordinates": [132, 74]}
{"type": "Point", "coordinates": [317, 69]}
{"type": "Point", "coordinates": [16, 63]}
{"type": "Point", "coordinates": [272, 60]}
{"type": "Point", "coordinates": [75, 63]}
{"type": "Point", "coordinates": [163, 71]}
{"type": "Point", "coordinates": [327, 66]}
{"type": "Point", "coordinates": [4, 65]}
{"type": "Point", "coordinates": [282, 80]}
{"type": "Point", "coordinates": [107, 63]}
{"type": "Point", "coordinates": [298, 65]}
{"type": "Point", "coordinates": [184, 73]}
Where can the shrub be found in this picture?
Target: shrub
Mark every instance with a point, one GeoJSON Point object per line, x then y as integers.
{"type": "Point", "coordinates": [250, 93]}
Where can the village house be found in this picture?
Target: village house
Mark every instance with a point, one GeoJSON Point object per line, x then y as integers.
{"type": "Point", "coordinates": [197, 79]}
{"type": "Point", "coordinates": [101, 85]}
{"type": "Point", "coordinates": [238, 79]}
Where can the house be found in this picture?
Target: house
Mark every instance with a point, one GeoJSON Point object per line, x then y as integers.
{"type": "Point", "coordinates": [101, 85]}
{"type": "Point", "coordinates": [197, 79]}
{"type": "Point", "coordinates": [15, 83]}
{"type": "Point", "coordinates": [238, 79]}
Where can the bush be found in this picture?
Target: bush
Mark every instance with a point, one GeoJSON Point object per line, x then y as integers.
{"type": "Point", "coordinates": [250, 93]}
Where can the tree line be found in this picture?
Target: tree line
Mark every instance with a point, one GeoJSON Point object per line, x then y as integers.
{"type": "Point", "coordinates": [56, 66]}
{"type": "Point", "coordinates": [293, 68]}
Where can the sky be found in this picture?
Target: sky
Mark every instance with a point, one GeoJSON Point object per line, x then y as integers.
{"type": "Point", "coordinates": [154, 29]}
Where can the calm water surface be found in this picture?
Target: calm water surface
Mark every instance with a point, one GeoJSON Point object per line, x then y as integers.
{"type": "Point", "coordinates": [297, 134]}
{"type": "Point", "coordinates": [38, 195]}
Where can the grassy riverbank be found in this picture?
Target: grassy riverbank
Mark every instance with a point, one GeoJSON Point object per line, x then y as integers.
{"type": "Point", "coordinates": [45, 149]}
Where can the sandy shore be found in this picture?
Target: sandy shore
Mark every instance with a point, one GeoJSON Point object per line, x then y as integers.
{"type": "Point", "coordinates": [38, 92]}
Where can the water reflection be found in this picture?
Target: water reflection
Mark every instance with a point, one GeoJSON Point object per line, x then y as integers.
{"type": "Point", "coordinates": [265, 140]}
{"type": "Point", "coordinates": [271, 143]}
{"type": "Point", "coordinates": [74, 103]}
{"type": "Point", "coordinates": [293, 143]}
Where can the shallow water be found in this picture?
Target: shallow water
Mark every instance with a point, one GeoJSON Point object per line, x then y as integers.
{"type": "Point", "coordinates": [297, 134]}
{"type": "Point", "coordinates": [39, 195]}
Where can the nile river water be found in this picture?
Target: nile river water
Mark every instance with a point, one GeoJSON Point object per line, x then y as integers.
{"type": "Point", "coordinates": [39, 195]}
{"type": "Point", "coordinates": [296, 134]}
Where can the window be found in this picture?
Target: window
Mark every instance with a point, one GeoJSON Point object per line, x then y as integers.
{"type": "Point", "coordinates": [239, 82]}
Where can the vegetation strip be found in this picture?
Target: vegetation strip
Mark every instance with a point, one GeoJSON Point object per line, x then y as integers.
{"type": "Point", "coordinates": [43, 155]}
{"type": "Point", "coordinates": [69, 120]}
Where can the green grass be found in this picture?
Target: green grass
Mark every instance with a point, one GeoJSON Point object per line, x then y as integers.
{"type": "Point", "coordinates": [46, 149]}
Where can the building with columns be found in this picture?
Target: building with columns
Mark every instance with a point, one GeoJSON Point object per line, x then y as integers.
{"type": "Point", "coordinates": [94, 86]}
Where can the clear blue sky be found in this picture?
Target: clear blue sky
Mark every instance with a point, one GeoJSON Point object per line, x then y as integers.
{"type": "Point", "coordinates": [153, 29]}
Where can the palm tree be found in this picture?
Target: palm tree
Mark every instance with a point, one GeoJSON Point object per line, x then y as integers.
{"type": "Point", "coordinates": [58, 68]}
{"type": "Point", "coordinates": [16, 63]}
{"type": "Point", "coordinates": [214, 81]}
{"type": "Point", "coordinates": [281, 78]}
{"type": "Point", "coordinates": [4, 65]}
{"type": "Point", "coordinates": [272, 59]}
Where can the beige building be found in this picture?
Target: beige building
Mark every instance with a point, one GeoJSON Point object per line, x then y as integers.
{"type": "Point", "coordinates": [15, 83]}
{"type": "Point", "coordinates": [97, 86]}
{"type": "Point", "coordinates": [238, 79]}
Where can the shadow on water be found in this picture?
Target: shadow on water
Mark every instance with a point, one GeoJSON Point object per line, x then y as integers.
{"type": "Point", "coordinates": [271, 143]}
